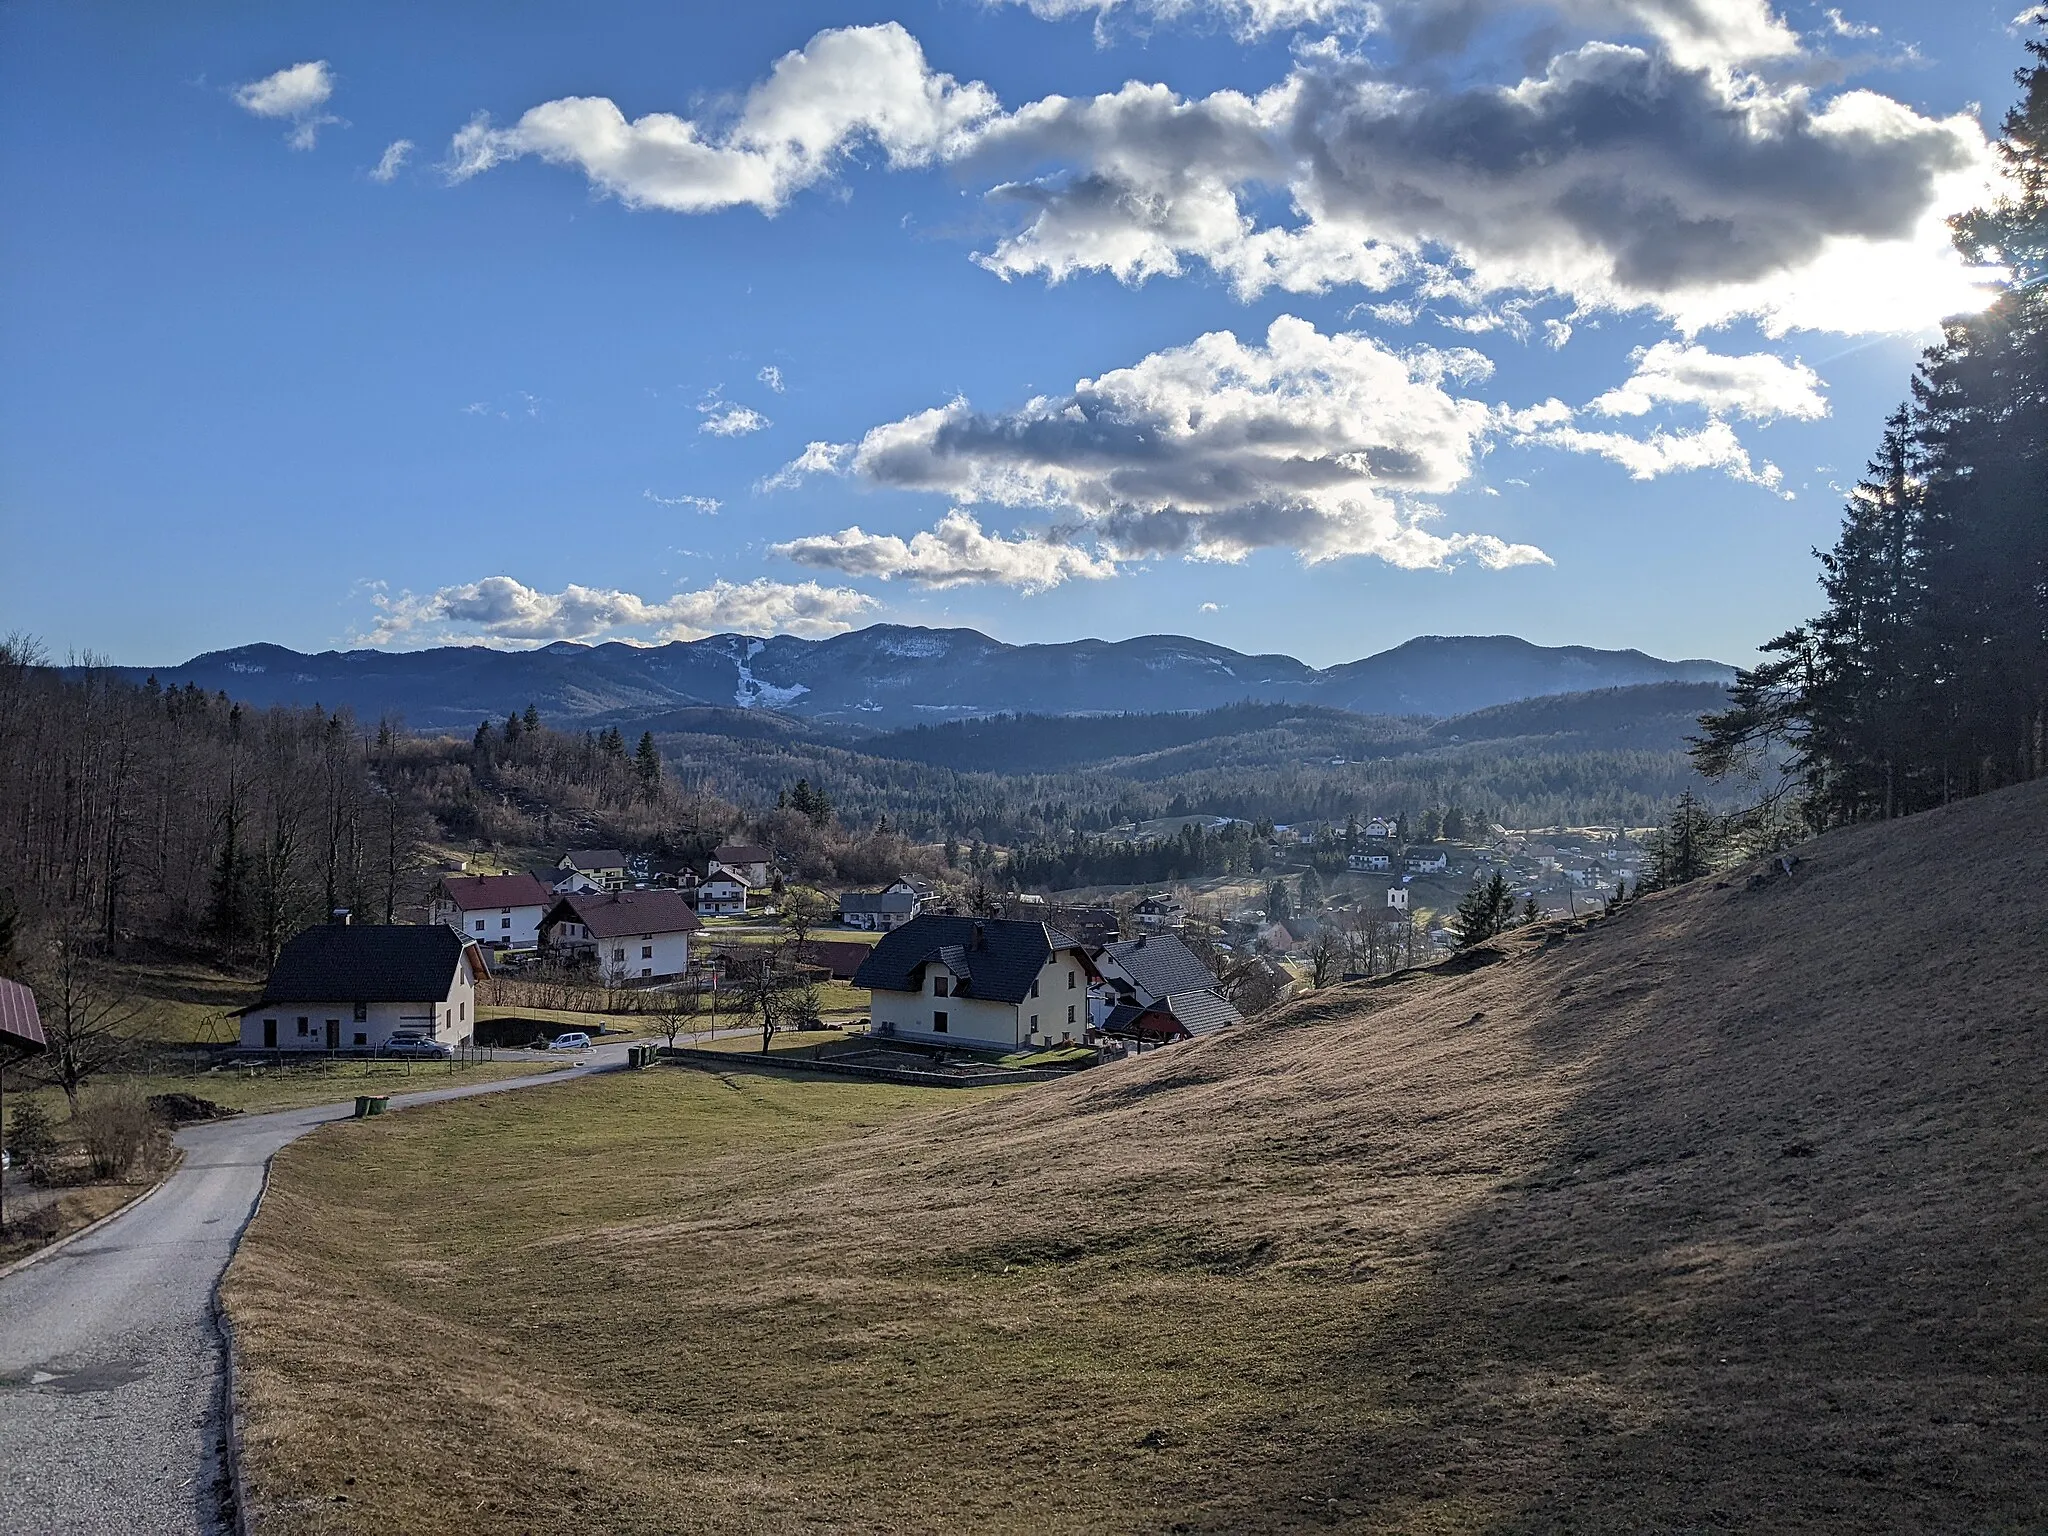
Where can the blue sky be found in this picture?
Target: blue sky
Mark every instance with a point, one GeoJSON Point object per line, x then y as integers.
{"type": "Point", "coordinates": [1572, 324]}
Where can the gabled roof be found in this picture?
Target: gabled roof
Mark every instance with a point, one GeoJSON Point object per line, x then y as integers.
{"type": "Point", "coordinates": [593, 858]}
{"type": "Point", "coordinates": [1160, 964]}
{"type": "Point", "coordinates": [370, 963]}
{"type": "Point", "coordinates": [1202, 1011]}
{"type": "Point", "coordinates": [1189, 1013]}
{"type": "Point", "coordinates": [20, 1025]}
{"type": "Point", "coordinates": [622, 914]}
{"type": "Point", "coordinates": [999, 957]}
{"type": "Point", "coordinates": [742, 853]}
{"type": "Point", "coordinates": [473, 893]}
{"type": "Point", "coordinates": [879, 901]}
{"type": "Point", "coordinates": [733, 875]}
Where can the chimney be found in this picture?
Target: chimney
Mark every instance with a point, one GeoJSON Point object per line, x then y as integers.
{"type": "Point", "coordinates": [339, 917]}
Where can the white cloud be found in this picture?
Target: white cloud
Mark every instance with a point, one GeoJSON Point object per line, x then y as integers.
{"type": "Point", "coordinates": [816, 459]}
{"type": "Point", "coordinates": [955, 553]}
{"type": "Point", "coordinates": [1693, 31]}
{"type": "Point", "coordinates": [396, 153]}
{"type": "Point", "coordinates": [772, 377]}
{"type": "Point", "coordinates": [1841, 26]}
{"type": "Point", "coordinates": [1212, 607]}
{"type": "Point", "coordinates": [1617, 178]}
{"type": "Point", "coordinates": [845, 87]}
{"type": "Point", "coordinates": [1760, 386]}
{"type": "Point", "coordinates": [704, 504]}
{"type": "Point", "coordinates": [722, 420]}
{"type": "Point", "coordinates": [499, 610]}
{"type": "Point", "coordinates": [1319, 444]}
{"type": "Point", "coordinates": [1712, 447]}
{"type": "Point", "coordinates": [296, 93]}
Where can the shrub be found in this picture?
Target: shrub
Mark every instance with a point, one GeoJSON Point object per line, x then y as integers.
{"type": "Point", "coordinates": [120, 1135]}
{"type": "Point", "coordinates": [30, 1141]}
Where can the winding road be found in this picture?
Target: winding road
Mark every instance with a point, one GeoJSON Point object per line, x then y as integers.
{"type": "Point", "coordinates": [112, 1395]}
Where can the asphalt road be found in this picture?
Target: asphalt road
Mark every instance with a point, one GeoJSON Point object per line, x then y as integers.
{"type": "Point", "coordinates": [111, 1401]}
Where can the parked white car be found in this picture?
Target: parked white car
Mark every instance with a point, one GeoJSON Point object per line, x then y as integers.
{"type": "Point", "coordinates": [574, 1040]}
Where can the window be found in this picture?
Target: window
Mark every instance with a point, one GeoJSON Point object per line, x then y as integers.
{"type": "Point", "coordinates": [938, 1021]}
{"type": "Point", "coordinates": [1070, 981]}
{"type": "Point", "coordinates": [1034, 986]}
{"type": "Point", "coordinates": [505, 909]}
{"type": "Point", "coordinates": [361, 1038]}
{"type": "Point", "coordinates": [505, 922]}
{"type": "Point", "coordinates": [646, 952]}
{"type": "Point", "coordinates": [362, 1012]}
{"type": "Point", "coordinates": [479, 925]}
{"type": "Point", "coordinates": [938, 986]}
{"type": "Point", "coordinates": [646, 970]}
{"type": "Point", "coordinates": [462, 1010]}
{"type": "Point", "coordinates": [304, 1029]}
{"type": "Point", "coordinates": [1070, 1013]}
{"type": "Point", "coordinates": [619, 953]}
{"type": "Point", "coordinates": [1034, 1023]}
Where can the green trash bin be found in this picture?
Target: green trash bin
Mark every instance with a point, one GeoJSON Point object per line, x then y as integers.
{"type": "Point", "coordinates": [362, 1105]}
{"type": "Point", "coordinates": [377, 1102]}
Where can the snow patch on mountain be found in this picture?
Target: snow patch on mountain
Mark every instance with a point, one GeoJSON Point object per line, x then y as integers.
{"type": "Point", "coordinates": [752, 693]}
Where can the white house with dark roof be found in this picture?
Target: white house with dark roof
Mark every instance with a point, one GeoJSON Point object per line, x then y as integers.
{"type": "Point", "coordinates": [497, 911]}
{"type": "Point", "coordinates": [971, 981]}
{"type": "Point", "coordinates": [631, 935]}
{"type": "Point", "coordinates": [883, 910]}
{"type": "Point", "coordinates": [752, 863]}
{"type": "Point", "coordinates": [344, 987]}
{"type": "Point", "coordinates": [720, 894]}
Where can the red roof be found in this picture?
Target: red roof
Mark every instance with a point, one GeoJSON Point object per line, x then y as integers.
{"type": "Point", "coordinates": [20, 1024]}
{"type": "Point", "coordinates": [473, 893]}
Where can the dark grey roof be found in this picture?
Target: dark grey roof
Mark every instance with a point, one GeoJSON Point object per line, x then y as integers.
{"type": "Point", "coordinates": [626, 914]}
{"type": "Point", "coordinates": [595, 858]}
{"type": "Point", "coordinates": [879, 901]}
{"type": "Point", "coordinates": [1001, 957]}
{"type": "Point", "coordinates": [369, 963]}
{"type": "Point", "coordinates": [742, 853]}
{"type": "Point", "coordinates": [1202, 1011]}
{"type": "Point", "coordinates": [1160, 964]}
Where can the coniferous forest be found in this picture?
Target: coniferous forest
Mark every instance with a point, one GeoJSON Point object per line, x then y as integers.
{"type": "Point", "coordinates": [1925, 676]}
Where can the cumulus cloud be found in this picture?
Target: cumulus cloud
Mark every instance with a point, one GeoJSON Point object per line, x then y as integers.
{"type": "Point", "coordinates": [1318, 444]}
{"type": "Point", "coordinates": [958, 552]}
{"type": "Point", "coordinates": [723, 420]}
{"type": "Point", "coordinates": [846, 87]}
{"type": "Point", "coordinates": [295, 93]}
{"type": "Point", "coordinates": [499, 610]}
{"type": "Point", "coordinates": [772, 377]}
{"type": "Point", "coordinates": [1712, 447]}
{"type": "Point", "coordinates": [1705, 31]}
{"type": "Point", "coordinates": [1619, 178]}
{"type": "Point", "coordinates": [396, 153]}
{"type": "Point", "coordinates": [1760, 386]}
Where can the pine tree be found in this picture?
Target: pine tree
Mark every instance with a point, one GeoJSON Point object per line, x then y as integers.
{"type": "Point", "coordinates": [647, 762]}
{"type": "Point", "coordinates": [1311, 891]}
{"type": "Point", "coordinates": [531, 718]}
{"type": "Point", "coordinates": [1486, 910]}
{"type": "Point", "coordinates": [1278, 904]}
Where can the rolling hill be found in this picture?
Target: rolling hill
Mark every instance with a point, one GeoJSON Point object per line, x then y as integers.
{"type": "Point", "coordinates": [891, 676]}
{"type": "Point", "coordinates": [1722, 1214]}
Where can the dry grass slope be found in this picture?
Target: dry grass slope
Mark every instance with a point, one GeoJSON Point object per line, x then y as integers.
{"type": "Point", "coordinates": [1724, 1214]}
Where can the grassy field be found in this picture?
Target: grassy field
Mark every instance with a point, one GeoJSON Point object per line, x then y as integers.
{"type": "Point", "coordinates": [1719, 1215]}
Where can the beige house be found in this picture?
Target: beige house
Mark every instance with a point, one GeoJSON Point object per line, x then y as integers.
{"type": "Point", "coordinates": [340, 987]}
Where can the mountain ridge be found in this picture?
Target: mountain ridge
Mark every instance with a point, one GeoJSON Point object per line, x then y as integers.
{"type": "Point", "coordinates": [888, 676]}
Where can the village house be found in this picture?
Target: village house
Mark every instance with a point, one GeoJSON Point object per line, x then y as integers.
{"type": "Point", "coordinates": [1160, 911]}
{"type": "Point", "coordinates": [720, 894]}
{"type": "Point", "coordinates": [631, 935]}
{"type": "Point", "coordinates": [606, 866]}
{"type": "Point", "coordinates": [21, 1027]}
{"type": "Point", "coordinates": [1372, 861]}
{"type": "Point", "coordinates": [497, 911]}
{"type": "Point", "coordinates": [1379, 826]}
{"type": "Point", "coordinates": [753, 864]}
{"type": "Point", "coordinates": [1425, 860]}
{"type": "Point", "coordinates": [349, 987]}
{"type": "Point", "coordinates": [989, 982]}
{"type": "Point", "coordinates": [1155, 988]}
{"type": "Point", "coordinates": [879, 910]}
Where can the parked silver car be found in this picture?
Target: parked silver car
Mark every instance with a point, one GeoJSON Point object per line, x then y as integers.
{"type": "Point", "coordinates": [417, 1048]}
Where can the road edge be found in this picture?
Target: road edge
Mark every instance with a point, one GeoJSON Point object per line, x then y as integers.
{"type": "Point", "coordinates": [237, 1514]}
{"type": "Point", "coordinates": [49, 1249]}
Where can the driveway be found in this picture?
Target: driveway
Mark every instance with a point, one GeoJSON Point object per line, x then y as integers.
{"type": "Point", "coordinates": [110, 1363]}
